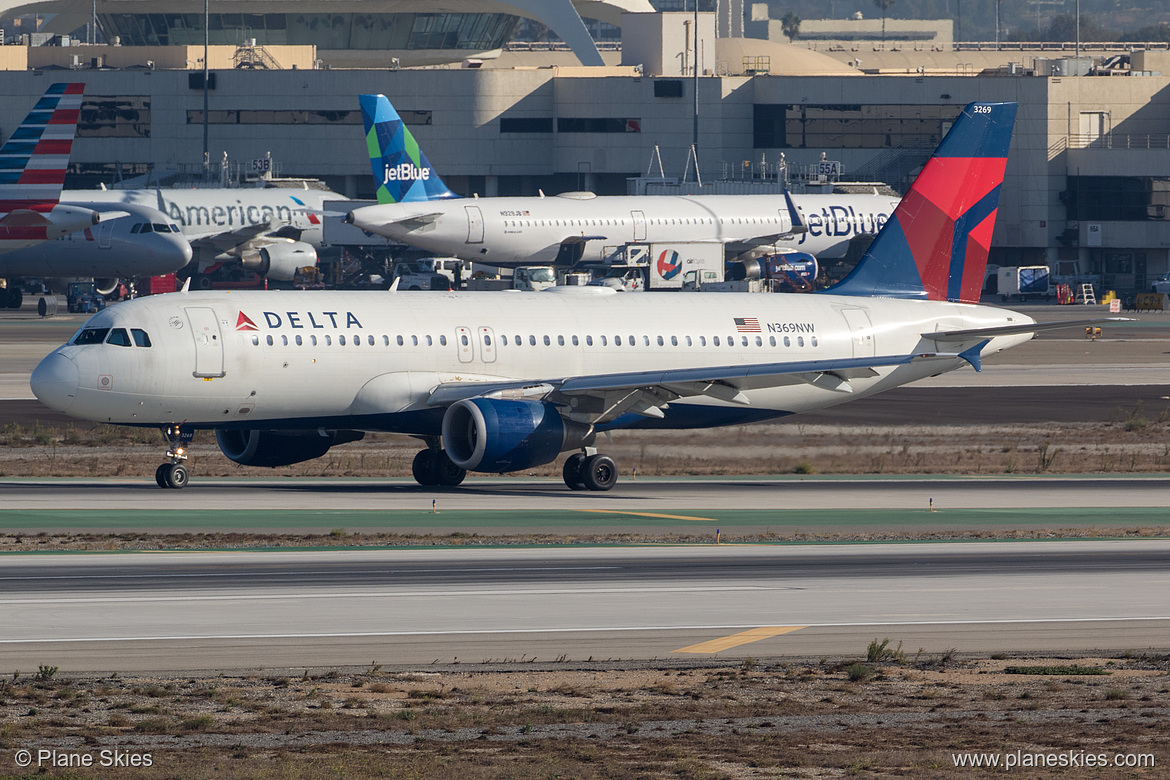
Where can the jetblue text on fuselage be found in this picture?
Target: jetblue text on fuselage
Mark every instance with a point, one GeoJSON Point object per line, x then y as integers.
{"type": "Point", "coordinates": [842, 221]}
{"type": "Point", "coordinates": [405, 172]}
{"type": "Point", "coordinates": [322, 319]}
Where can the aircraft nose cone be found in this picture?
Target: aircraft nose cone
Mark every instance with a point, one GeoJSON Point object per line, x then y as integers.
{"type": "Point", "coordinates": [54, 382]}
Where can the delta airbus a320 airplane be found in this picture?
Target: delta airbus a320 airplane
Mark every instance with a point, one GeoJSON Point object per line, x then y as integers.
{"type": "Point", "coordinates": [503, 381]}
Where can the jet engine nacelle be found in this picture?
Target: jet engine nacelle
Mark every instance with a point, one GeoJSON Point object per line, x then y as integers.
{"type": "Point", "coordinates": [64, 219]}
{"type": "Point", "coordinates": [105, 286]}
{"type": "Point", "coordinates": [280, 261]}
{"type": "Point", "coordinates": [493, 435]}
{"type": "Point", "coordinates": [279, 448]}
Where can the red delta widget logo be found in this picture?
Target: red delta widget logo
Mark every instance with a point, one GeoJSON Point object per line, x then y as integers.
{"type": "Point", "coordinates": [669, 264]}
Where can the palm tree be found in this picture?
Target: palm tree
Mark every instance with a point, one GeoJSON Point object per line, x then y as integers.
{"type": "Point", "coordinates": [885, 6]}
{"type": "Point", "coordinates": [790, 24]}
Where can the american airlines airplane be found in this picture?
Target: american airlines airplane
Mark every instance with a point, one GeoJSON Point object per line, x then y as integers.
{"type": "Point", "coordinates": [503, 381]}
{"type": "Point", "coordinates": [142, 243]}
{"type": "Point", "coordinates": [416, 208]}
{"type": "Point", "coordinates": [32, 171]}
{"type": "Point", "coordinates": [270, 231]}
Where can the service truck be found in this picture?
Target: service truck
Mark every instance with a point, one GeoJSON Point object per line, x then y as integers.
{"type": "Point", "coordinates": [1026, 281]}
{"type": "Point", "coordinates": [686, 265]}
{"type": "Point", "coordinates": [531, 278]}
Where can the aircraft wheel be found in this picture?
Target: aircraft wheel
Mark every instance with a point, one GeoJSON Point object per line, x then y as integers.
{"type": "Point", "coordinates": [160, 477]}
{"type": "Point", "coordinates": [445, 469]}
{"type": "Point", "coordinates": [572, 471]}
{"type": "Point", "coordinates": [599, 472]}
{"type": "Point", "coordinates": [176, 476]}
{"type": "Point", "coordinates": [423, 469]}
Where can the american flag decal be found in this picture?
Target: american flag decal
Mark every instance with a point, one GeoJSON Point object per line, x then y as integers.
{"type": "Point", "coordinates": [747, 325]}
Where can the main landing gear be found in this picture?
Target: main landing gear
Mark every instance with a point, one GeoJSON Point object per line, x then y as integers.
{"type": "Point", "coordinates": [173, 474]}
{"type": "Point", "coordinates": [590, 471]}
{"type": "Point", "coordinates": [432, 466]}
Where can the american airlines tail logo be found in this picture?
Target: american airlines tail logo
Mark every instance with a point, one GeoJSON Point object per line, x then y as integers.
{"type": "Point", "coordinates": [244, 323]}
{"type": "Point", "coordinates": [405, 172]}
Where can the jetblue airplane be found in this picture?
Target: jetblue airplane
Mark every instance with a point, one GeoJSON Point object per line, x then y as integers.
{"type": "Point", "coordinates": [32, 171]}
{"type": "Point", "coordinates": [504, 381]}
{"type": "Point", "coordinates": [416, 208]}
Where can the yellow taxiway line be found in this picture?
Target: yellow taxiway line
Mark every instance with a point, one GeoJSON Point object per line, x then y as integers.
{"type": "Point", "coordinates": [735, 640]}
{"type": "Point", "coordinates": [650, 514]}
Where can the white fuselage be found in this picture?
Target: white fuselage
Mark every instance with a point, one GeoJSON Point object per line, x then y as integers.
{"type": "Point", "coordinates": [112, 249]}
{"type": "Point", "coordinates": [527, 230]}
{"type": "Point", "coordinates": [370, 360]}
{"type": "Point", "coordinates": [205, 212]}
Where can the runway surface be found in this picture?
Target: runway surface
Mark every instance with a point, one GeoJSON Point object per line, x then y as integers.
{"type": "Point", "coordinates": [514, 505]}
{"type": "Point", "coordinates": [225, 611]}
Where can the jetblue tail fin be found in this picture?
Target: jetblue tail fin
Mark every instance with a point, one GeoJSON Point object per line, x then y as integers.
{"type": "Point", "coordinates": [34, 159]}
{"type": "Point", "coordinates": [936, 243]}
{"type": "Point", "coordinates": [401, 171]}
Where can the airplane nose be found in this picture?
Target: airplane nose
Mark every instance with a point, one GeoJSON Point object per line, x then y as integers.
{"type": "Point", "coordinates": [181, 246]}
{"type": "Point", "coordinates": [54, 382]}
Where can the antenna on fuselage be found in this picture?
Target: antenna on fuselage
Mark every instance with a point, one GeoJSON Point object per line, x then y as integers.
{"type": "Point", "coordinates": [394, 284]}
{"type": "Point", "coordinates": [186, 285]}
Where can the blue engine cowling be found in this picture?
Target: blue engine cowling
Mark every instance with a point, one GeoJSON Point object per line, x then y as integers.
{"type": "Point", "coordinates": [279, 448]}
{"type": "Point", "coordinates": [493, 435]}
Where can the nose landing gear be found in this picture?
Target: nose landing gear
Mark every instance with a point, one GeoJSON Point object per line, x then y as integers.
{"type": "Point", "coordinates": [173, 474]}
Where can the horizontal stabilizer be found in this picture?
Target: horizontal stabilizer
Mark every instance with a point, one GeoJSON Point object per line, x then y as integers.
{"type": "Point", "coordinates": [574, 240]}
{"type": "Point", "coordinates": [1012, 330]}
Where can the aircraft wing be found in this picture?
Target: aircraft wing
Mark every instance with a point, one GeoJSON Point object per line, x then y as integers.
{"type": "Point", "coordinates": [600, 398]}
{"type": "Point", "coordinates": [242, 237]}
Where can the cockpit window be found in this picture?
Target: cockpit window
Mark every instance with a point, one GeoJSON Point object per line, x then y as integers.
{"type": "Point", "coordinates": [141, 338]}
{"type": "Point", "coordinates": [91, 336]}
{"type": "Point", "coordinates": [159, 227]}
{"type": "Point", "coordinates": [145, 228]}
{"type": "Point", "coordinates": [119, 338]}
{"type": "Point", "coordinates": [175, 228]}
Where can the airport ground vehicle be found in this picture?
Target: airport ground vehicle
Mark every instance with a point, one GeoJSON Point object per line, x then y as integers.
{"type": "Point", "coordinates": [432, 273]}
{"type": "Point", "coordinates": [1022, 282]}
{"type": "Point", "coordinates": [83, 298]}
{"type": "Point", "coordinates": [529, 278]}
{"type": "Point", "coordinates": [663, 266]}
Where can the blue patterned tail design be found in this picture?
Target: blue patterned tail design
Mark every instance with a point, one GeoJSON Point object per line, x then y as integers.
{"type": "Point", "coordinates": [402, 173]}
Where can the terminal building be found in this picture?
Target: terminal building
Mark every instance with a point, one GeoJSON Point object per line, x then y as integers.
{"type": "Point", "coordinates": [1087, 189]}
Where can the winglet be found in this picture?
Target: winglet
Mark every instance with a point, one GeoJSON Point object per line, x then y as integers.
{"type": "Point", "coordinates": [402, 173]}
{"type": "Point", "coordinates": [974, 354]}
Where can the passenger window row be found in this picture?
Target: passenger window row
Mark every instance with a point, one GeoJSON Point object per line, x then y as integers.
{"type": "Point", "coordinates": [355, 341]}
{"type": "Point", "coordinates": [675, 341]}
{"type": "Point", "coordinates": [589, 341]}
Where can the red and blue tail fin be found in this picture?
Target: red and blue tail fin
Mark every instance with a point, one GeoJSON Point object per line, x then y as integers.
{"type": "Point", "coordinates": [34, 158]}
{"type": "Point", "coordinates": [935, 245]}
